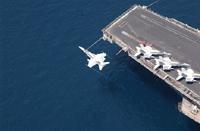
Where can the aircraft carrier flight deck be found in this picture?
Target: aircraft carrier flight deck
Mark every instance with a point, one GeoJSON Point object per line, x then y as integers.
{"type": "Point", "coordinates": [139, 24]}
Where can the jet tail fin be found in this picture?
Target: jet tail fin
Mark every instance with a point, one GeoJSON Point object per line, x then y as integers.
{"type": "Point", "coordinates": [103, 65]}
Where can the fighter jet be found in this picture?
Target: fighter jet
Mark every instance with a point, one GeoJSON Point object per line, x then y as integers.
{"type": "Point", "coordinates": [95, 59]}
{"type": "Point", "coordinates": [167, 63]}
{"type": "Point", "coordinates": [147, 51]}
{"type": "Point", "coordinates": [188, 74]}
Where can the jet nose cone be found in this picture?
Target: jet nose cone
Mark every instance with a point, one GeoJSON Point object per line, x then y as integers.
{"type": "Point", "coordinates": [81, 48]}
{"type": "Point", "coordinates": [168, 54]}
{"type": "Point", "coordinates": [186, 64]}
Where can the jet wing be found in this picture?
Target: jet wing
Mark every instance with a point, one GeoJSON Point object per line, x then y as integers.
{"type": "Point", "coordinates": [167, 67]}
{"type": "Point", "coordinates": [101, 54]}
{"type": "Point", "coordinates": [156, 66]}
{"type": "Point", "coordinates": [100, 57]}
{"type": "Point", "coordinates": [179, 77]}
{"type": "Point", "coordinates": [184, 70]}
{"type": "Point", "coordinates": [137, 54]}
{"type": "Point", "coordinates": [138, 51]}
{"type": "Point", "coordinates": [167, 59]}
{"type": "Point", "coordinates": [189, 70]}
{"type": "Point", "coordinates": [141, 46]}
{"type": "Point", "coordinates": [91, 63]}
{"type": "Point", "coordinates": [160, 58]}
{"type": "Point", "coordinates": [148, 48]}
{"type": "Point", "coordinates": [147, 55]}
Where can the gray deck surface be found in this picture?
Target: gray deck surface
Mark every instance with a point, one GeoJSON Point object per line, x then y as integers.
{"type": "Point", "coordinates": [166, 36]}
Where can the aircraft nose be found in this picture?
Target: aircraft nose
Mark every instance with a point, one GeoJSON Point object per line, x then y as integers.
{"type": "Point", "coordinates": [81, 47]}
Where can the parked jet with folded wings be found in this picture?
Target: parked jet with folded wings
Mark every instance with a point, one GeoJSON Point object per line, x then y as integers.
{"type": "Point", "coordinates": [167, 63]}
{"type": "Point", "coordinates": [95, 59]}
{"type": "Point", "coordinates": [147, 51]}
{"type": "Point", "coordinates": [188, 74]}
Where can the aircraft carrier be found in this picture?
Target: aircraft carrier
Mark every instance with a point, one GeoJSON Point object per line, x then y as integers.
{"type": "Point", "coordinates": [139, 24]}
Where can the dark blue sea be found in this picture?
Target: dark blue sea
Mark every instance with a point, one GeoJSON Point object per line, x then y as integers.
{"type": "Point", "coordinates": [46, 85]}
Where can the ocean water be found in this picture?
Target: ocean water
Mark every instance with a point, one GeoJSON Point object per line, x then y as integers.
{"type": "Point", "coordinates": [45, 84]}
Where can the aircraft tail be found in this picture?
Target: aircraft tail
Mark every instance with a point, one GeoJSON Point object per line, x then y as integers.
{"type": "Point", "coordinates": [103, 65]}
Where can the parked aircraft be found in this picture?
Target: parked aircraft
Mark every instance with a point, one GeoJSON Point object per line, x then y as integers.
{"type": "Point", "coordinates": [188, 74]}
{"type": "Point", "coordinates": [147, 51]}
{"type": "Point", "coordinates": [167, 63]}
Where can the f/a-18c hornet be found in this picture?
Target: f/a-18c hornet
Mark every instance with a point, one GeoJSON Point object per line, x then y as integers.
{"type": "Point", "coordinates": [188, 74]}
{"type": "Point", "coordinates": [95, 59]}
{"type": "Point", "coordinates": [167, 63]}
{"type": "Point", "coordinates": [147, 51]}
